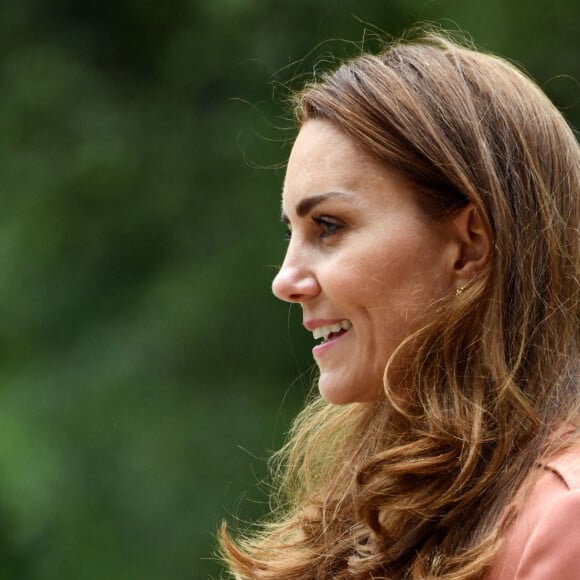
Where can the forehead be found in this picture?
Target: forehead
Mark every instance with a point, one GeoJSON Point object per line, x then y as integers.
{"type": "Point", "coordinates": [324, 158]}
{"type": "Point", "coordinates": [321, 148]}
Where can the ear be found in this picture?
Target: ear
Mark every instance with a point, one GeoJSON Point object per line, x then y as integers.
{"type": "Point", "coordinates": [473, 244]}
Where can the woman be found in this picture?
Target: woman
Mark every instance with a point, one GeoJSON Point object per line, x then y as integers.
{"type": "Point", "coordinates": [431, 198]}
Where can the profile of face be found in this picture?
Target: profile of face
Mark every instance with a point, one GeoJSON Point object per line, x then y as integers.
{"type": "Point", "coordinates": [363, 260]}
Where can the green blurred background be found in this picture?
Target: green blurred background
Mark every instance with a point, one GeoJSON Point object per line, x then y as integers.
{"type": "Point", "coordinates": [147, 372]}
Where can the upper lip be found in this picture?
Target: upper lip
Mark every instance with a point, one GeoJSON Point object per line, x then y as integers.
{"type": "Point", "coordinates": [318, 322]}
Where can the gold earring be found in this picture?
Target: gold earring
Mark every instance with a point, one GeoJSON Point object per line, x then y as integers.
{"type": "Point", "coordinates": [459, 290]}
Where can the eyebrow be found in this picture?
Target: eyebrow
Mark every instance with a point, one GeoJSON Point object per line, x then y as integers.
{"type": "Point", "coordinates": [306, 205]}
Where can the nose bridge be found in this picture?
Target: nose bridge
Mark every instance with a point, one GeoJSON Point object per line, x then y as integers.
{"type": "Point", "coordinates": [295, 281]}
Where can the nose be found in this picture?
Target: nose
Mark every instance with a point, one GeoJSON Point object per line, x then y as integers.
{"type": "Point", "coordinates": [295, 282]}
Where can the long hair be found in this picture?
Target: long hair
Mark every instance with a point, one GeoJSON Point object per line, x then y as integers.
{"type": "Point", "coordinates": [419, 486]}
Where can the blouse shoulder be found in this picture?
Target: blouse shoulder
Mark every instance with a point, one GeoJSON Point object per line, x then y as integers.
{"type": "Point", "coordinates": [544, 540]}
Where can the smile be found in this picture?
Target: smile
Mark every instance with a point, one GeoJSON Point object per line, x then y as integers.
{"type": "Point", "coordinates": [330, 331]}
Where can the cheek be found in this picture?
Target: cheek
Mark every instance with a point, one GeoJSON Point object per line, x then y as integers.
{"type": "Point", "coordinates": [398, 287]}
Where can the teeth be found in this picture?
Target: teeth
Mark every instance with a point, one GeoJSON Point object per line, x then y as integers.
{"type": "Point", "coordinates": [324, 331]}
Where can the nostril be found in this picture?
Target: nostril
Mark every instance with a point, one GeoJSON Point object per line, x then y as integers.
{"type": "Point", "coordinates": [295, 297]}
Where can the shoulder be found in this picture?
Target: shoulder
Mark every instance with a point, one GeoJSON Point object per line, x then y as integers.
{"type": "Point", "coordinates": [544, 540]}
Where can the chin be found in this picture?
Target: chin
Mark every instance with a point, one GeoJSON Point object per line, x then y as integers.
{"type": "Point", "coordinates": [345, 395]}
{"type": "Point", "coordinates": [333, 393]}
{"type": "Point", "coordinates": [336, 398]}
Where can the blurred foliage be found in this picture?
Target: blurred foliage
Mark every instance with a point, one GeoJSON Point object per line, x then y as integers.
{"type": "Point", "coordinates": [146, 371]}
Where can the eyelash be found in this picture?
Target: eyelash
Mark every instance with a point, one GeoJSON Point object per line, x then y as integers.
{"type": "Point", "coordinates": [326, 226]}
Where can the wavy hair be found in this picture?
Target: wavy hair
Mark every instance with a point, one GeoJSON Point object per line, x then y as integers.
{"type": "Point", "coordinates": [422, 486]}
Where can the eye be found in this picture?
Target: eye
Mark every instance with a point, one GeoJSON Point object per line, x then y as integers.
{"type": "Point", "coordinates": [327, 226]}
{"type": "Point", "coordinates": [287, 230]}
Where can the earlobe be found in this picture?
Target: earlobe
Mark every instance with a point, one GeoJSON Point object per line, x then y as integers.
{"type": "Point", "coordinates": [473, 247]}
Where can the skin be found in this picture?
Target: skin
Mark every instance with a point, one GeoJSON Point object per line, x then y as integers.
{"type": "Point", "coordinates": [361, 250]}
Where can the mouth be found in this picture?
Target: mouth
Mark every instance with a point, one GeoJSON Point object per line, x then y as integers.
{"type": "Point", "coordinates": [330, 331]}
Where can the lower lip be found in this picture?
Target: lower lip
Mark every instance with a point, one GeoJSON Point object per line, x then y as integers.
{"type": "Point", "coordinates": [323, 347]}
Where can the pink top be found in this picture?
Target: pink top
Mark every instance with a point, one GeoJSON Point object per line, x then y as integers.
{"type": "Point", "coordinates": [543, 543]}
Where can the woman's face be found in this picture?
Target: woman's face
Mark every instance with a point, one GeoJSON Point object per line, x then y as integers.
{"type": "Point", "coordinates": [363, 261]}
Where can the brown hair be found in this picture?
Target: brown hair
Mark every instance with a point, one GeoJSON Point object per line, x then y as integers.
{"type": "Point", "coordinates": [419, 488]}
